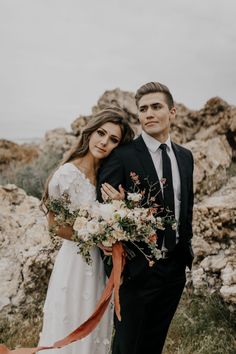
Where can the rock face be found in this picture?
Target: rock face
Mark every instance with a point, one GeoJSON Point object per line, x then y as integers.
{"type": "Point", "coordinates": [26, 252]}
{"type": "Point", "coordinates": [216, 118]}
{"type": "Point", "coordinates": [212, 159]}
{"type": "Point", "coordinates": [214, 243]}
{"type": "Point", "coordinates": [57, 140]}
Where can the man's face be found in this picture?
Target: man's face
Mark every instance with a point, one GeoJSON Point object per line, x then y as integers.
{"type": "Point", "coordinates": [155, 116]}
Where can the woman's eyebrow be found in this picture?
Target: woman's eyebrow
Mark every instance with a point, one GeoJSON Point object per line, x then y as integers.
{"type": "Point", "coordinates": [114, 136]}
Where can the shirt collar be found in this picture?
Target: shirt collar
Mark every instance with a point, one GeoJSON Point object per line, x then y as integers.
{"type": "Point", "coordinates": [152, 143]}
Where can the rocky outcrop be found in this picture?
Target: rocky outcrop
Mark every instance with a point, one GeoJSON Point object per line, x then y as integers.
{"type": "Point", "coordinates": [26, 252]}
{"type": "Point", "coordinates": [12, 152]}
{"type": "Point", "coordinates": [212, 159]}
{"type": "Point", "coordinates": [117, 97]}
{"type": "Point", "coordinates": [79, 123]}
{"type": "Point", "coordinates": [58, 141]}
{"type": "Point", "coordinates": [216, 118]}
{"type": "Point", "coordinates": [214, 243]}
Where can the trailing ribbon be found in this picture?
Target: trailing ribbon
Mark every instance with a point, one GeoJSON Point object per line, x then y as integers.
{"type": "Point", "coordinates": [114, 281]}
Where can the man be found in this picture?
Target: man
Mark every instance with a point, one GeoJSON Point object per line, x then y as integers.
{"type": "Point", "coordinates": [149, 296]}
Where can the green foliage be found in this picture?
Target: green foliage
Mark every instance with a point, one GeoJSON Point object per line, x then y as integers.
{"type": "Point", "coordinates": [202, 324]}
{"type": "Point", "coordinates": [32, 176]}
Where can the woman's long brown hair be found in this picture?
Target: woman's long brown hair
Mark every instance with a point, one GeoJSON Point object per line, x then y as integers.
{"type": "Point", "coordinates": [111, 114]}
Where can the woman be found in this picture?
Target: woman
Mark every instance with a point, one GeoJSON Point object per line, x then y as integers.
{"type": "Point", "coordinates": [74, 286]}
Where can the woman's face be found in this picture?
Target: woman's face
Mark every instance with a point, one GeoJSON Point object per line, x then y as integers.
{"type": "Point", "coordinates": [104, 140]}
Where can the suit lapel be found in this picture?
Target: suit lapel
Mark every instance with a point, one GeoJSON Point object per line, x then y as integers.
{"type": "Point", "coordinates": [148, 166]}
{"type": "Point", "coordinates": [181, 161]}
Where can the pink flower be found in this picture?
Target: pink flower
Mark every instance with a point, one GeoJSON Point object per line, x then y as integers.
{"type": "Point", "coordinates": [163, 180]}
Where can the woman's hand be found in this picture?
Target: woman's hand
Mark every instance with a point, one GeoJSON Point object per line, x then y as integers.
{"type": "Point", "coordinates": [109, 192]}
{"type": "Point", "coordinates": [63, 231]}
{"type": "Point", "coordinates": [106, 250]}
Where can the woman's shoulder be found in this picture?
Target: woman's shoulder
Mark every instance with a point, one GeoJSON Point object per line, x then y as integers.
{"type": "Point", "coordinates": [65, 168]}
{"type": "Point", "coordinates": [64, 178]}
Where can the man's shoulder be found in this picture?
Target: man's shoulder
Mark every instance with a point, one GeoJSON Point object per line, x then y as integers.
{"type": "Point", "coordinates": [182, 149]}
{"type": "Point", "coordinates": [126, 148]}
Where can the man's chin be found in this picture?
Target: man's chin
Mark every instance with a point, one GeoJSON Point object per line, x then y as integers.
{"type": "Point", "coordinates": [152, 131]}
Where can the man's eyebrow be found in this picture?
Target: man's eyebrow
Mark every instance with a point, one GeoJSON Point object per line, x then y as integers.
{"type": "Point", "coordinates": [142, 106]}
{"type": "Point", "coordinates": [151, 104]}
{"type": "Point", "coordinates": [114, 136]}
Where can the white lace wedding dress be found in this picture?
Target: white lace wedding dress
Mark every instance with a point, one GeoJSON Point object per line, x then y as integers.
{"type": "Point", "coordinates": [74, 287]}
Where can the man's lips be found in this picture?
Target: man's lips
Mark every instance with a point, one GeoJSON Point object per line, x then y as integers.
{"type": "Point", "coordinates": [149, 123]}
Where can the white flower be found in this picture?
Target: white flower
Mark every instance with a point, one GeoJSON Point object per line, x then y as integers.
{"type": "Point", "coordinates": [159, 224]}
{"type": "Point", "coordinates": [174, 226]}
{"type": "Point", "coordinates": [122, 213]}
{"type": "Point", "coordinates": [109, 242]}
{"type": "Point", "coordinates": [80, 223]}
{"type": "Point", "coordinates": [118, 204]}
{"type": "Point", "coordinates": [134, 197]}
{"type": "Point", "coordinates": [118, 234]}
{"type": "Point", "coordinates": [106, 211]}
{"type": "Point", "coordinates": [83, 235]}
{"type": "Point", "coordinates": [93, 227]}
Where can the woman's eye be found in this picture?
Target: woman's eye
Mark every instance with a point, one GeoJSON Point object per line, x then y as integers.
{"type": "Point", "coordinates": [114, 140]}
{"type": "Point", "coordinates": [100, 132]}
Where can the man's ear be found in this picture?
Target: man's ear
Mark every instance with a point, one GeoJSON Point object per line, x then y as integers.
{"type": "Point", "coordinates": [172, 113]}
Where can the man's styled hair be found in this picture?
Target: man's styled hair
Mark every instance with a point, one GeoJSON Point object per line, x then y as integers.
{"type": "Point", "coordinates": [152, 87]}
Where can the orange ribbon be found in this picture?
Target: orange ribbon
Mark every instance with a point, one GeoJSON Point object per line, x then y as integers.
{"type": "Point", "coordinates": [114, 281]}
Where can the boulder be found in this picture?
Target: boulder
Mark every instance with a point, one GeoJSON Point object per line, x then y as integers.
{"type": "Point", "coordinates": [212, 159]}
{"type": "Point", "coordinates": [214, 243]}
{"type": "Point", "coordinates": [57, 141]}
{"type": "Point", "coordinates": [26, 252]}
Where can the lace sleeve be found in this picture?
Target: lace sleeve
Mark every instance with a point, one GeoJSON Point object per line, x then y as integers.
{"type": "Point", "coordinates": [64, 180]}
{"type": "Point", "coordinates": [70, 180]}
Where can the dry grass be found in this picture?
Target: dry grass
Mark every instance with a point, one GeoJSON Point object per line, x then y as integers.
{"type": "Point", "coordinates": [202, 325]}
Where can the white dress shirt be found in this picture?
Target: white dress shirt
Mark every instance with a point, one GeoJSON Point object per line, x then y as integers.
{"type": "Point", "coordinates": [153, 146]}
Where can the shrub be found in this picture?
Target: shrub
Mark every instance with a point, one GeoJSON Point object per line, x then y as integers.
{"type": "Point", "coordinates": [32, 176]}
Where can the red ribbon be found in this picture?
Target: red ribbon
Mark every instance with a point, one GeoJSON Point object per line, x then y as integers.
{"type": "Point", "coordinates": [114, 281]}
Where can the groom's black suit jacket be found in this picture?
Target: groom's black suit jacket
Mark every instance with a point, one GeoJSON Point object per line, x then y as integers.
{"type": "Point", "coordinates": [135, 157]}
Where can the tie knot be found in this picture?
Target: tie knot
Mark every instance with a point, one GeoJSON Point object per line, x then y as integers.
{"type": "Point", "coordinates": [163, 147]}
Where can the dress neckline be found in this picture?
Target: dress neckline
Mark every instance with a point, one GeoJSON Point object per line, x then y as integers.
{"type": "Point", "coordinates": [82, 173]}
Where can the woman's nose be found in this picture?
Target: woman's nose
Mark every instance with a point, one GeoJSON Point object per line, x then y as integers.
{"type": "Point", "coordinates": [104, 140]}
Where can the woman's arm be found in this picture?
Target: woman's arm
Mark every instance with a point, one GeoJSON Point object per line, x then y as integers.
{"type": "Point", "coordinates": [62, 231]}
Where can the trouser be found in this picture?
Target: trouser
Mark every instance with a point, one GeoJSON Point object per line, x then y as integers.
{"type": "Point", "coordinates": [148, 304]}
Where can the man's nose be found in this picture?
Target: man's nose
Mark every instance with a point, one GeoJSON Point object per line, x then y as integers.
{"type": "Point", "coordinates": [149, 112]}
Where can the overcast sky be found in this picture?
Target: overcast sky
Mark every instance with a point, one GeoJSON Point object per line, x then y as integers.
{"type": "Point", "coordinates": [59, 56]}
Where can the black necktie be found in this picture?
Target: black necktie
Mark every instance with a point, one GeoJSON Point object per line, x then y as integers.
{"type": "Point", "coordinates": [168, 196]}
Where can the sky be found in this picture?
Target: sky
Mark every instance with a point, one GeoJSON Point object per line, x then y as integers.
{"type": "Point", "coordinates": [59, 56]}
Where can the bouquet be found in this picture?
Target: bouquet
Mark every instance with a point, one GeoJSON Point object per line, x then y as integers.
{"type": "Point", "coordinates": [107, 223]}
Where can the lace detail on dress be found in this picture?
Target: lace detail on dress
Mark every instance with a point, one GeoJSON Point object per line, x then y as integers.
{"type": "Point", "coordinates": [68, 178]}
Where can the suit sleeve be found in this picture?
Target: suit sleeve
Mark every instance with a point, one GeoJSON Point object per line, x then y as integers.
{"type": "Point", "coordinates": [112, 172]}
